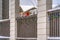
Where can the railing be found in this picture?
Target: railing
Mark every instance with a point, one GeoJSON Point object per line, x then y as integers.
{"type": "Point", "coordinates": [54, 19]}
{"type": "Point", "coordinates": [1, 37]}
{"type": "Point", "coordinates": [53, 38]}
{"type": "Point", "coordinates": [54, 23]}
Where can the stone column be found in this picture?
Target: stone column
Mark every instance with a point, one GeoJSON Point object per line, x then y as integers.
{"type": "Point", "coordinates": [12, 17]}
{"type": "Point", "coordinates": [0, 9]}
{"type": "Point", "coordinates": [42, 26]}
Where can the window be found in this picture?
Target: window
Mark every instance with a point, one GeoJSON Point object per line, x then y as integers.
{"type": "Point", "coordinates": [27, 7]}
{"type": "Point", "coordinates": [55, 3]}
{"type": "Point", "coordinates": [28, 4]}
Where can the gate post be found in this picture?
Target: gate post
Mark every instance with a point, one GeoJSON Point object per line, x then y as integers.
{"type": "Point", "coordinates": [42, 22]}
{"type": "Point", "coordinates": [12, 17]}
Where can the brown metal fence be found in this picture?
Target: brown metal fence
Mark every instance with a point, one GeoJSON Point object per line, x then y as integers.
{"type": "Point", "coordinates": [54, 21]}
{"type": "Point", "coordinates": [27, 27]}
{"type": "Point", "coordinates": [54, 24]}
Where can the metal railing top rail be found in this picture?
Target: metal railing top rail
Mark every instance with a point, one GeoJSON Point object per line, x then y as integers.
{"type": "Point", "coordinates": [54, 10]}
{"type": "Point", "coordinates": [53, 37]}
{"type": "Point", "coordinates": [4, 37]}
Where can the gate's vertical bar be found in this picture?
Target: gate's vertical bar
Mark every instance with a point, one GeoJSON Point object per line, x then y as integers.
{"type": "Point", "coordinates": [59, 24]}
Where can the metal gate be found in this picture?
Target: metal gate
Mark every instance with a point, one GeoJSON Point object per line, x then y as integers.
{"type": "Point", "coordinates": [27, 27]}
{"type": "Point", "coordinates": [54, 21]}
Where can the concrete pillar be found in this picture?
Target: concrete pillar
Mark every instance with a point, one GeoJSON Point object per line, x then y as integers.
{"type": "Point", "coordinates": [12, 17]}
{"type": "Point", "coordinates": [0, 9]}
{"type": "Point", "coordinates": [42, 23]}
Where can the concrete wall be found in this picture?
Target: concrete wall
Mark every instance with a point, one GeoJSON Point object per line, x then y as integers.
{"type": "Point", "coordinates": [12, 17]}
{"type": "Point", "coordinates": [42, 19]}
